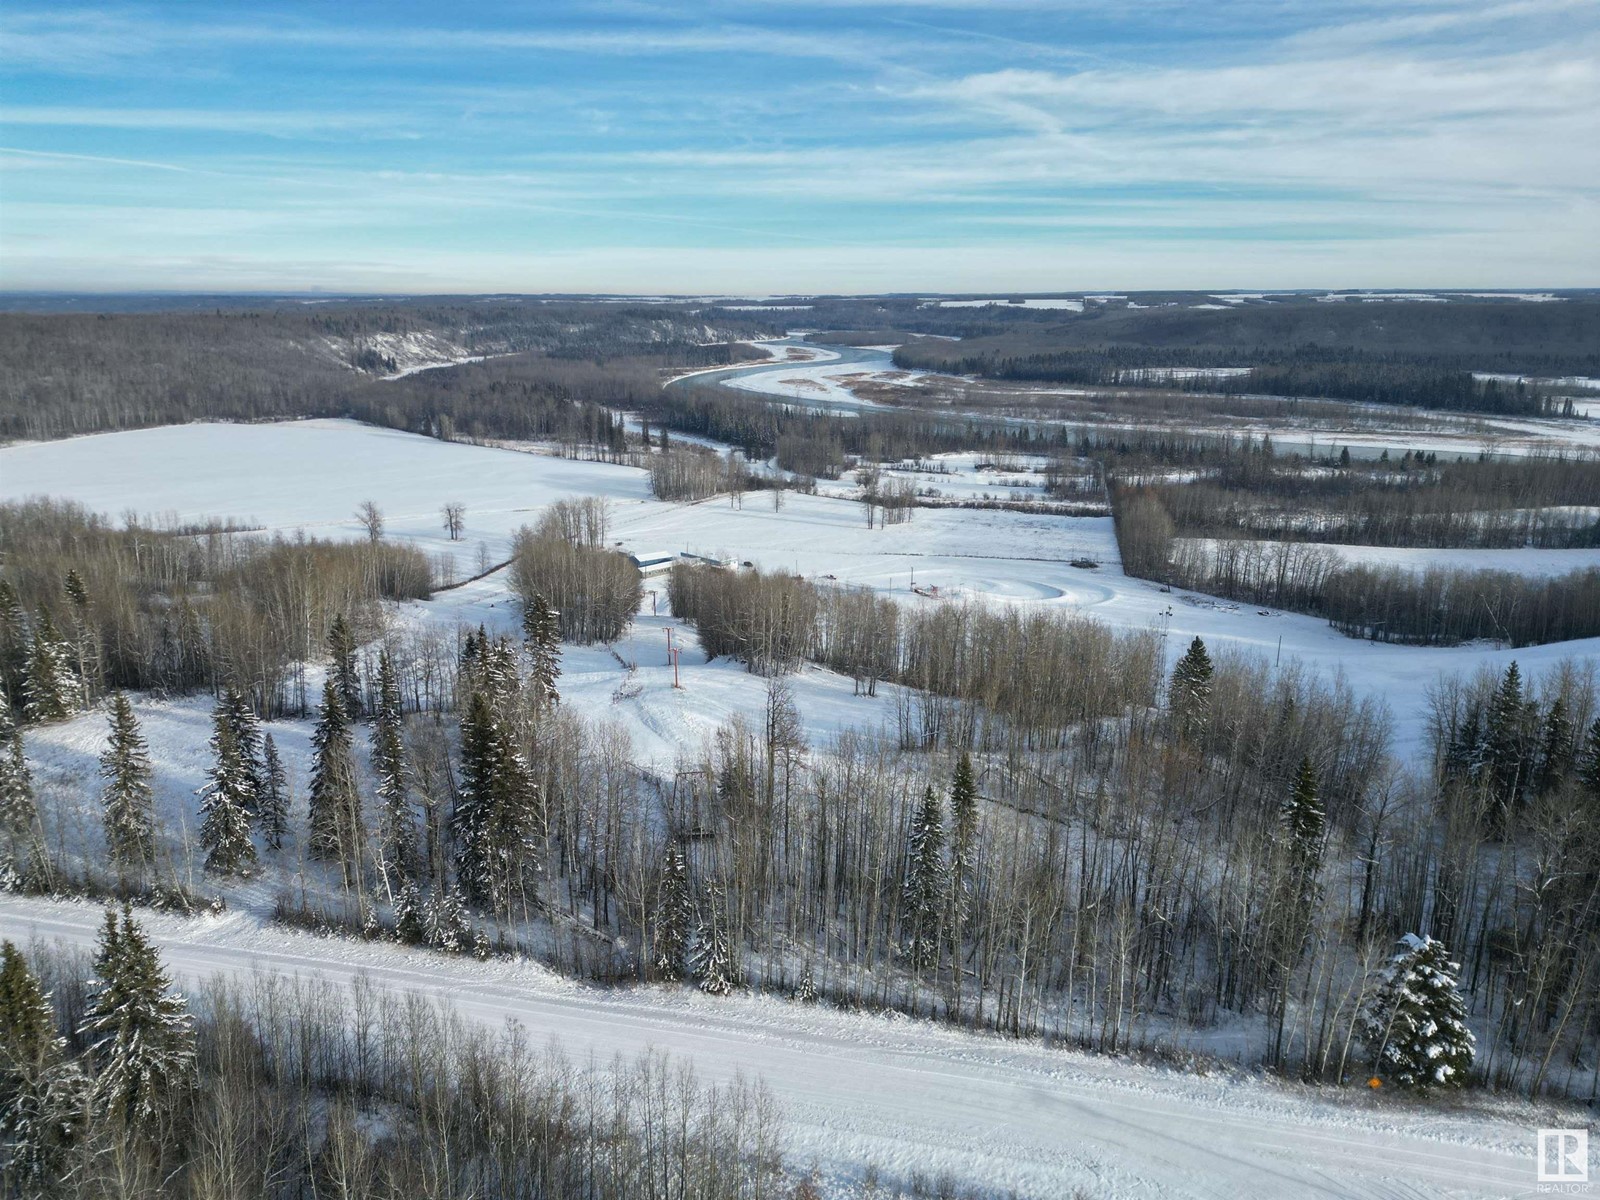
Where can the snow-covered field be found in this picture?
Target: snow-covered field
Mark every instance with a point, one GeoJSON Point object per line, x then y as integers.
{"type": "Point", "coordinates": [1069, 304]}
{"type": "Point", "coordinates": [910, 1096]}
{"type": "Point", "coordinates": [311, 475]}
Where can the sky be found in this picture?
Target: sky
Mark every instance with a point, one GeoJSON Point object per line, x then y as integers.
{"type": "Point", "coordinates": [786, 147]}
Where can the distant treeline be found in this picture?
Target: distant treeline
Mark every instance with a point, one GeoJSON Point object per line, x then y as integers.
{"type": "Point", "coordinates": [78, 373]}
{"type": "Point", "coordinates": [1401, 353]}
{"type": "Point", "coordinates": [1544, 500]}
{"type": "Point", "coordinates": [1438, 606]}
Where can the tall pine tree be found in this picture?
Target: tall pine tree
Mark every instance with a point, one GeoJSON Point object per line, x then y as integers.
{"type": "Point", "coordinates": [541, 629]}
{"type": "Point", "coordinates": [397, 837]}
{"type": "Point", "coordinates": [43, 1095]}
{"type": "Point", "coordinates": [127, 798]}
{"type": "Point", "coordinates": [272, 807]}
{"type": "Point", "coordinates": [19, 811]}
{"type": "Point", "coordinates": [335, 797]}
{"type": "Point", "coordinates": [924, 888]}
{"type": "Point", "coordinates": [496, 810]}
{"type": "Point", "coordinates": [1189, 694]}
{"type": "Point", "coordinates": [140, 1034]}
{"type": "Point", "coordinates": [674, 916]}
{"type": "Point", "coordinates": [342, 669]}
{"type": "Point", "coordinates": [225, 803]}
{"type": "Point", "coordinates": [51, 691]}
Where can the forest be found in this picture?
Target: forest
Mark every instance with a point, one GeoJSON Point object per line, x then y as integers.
{"type": "Point", "coordinates": [1396, 353]}
{"type": "Point", "coordinates": [66, 374]}
{"type": "Point", "coordinates": [1056, 836]}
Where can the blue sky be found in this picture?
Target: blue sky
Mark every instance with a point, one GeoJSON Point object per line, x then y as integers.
{"type": "Point", "coordinates": [772, 146]}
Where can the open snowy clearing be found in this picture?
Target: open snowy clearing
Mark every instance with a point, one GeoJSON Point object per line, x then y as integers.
{"type": "Point", "coordinates": [907, 1095]}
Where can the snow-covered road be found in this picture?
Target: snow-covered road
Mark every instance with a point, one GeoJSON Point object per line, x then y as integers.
{"type": "Point", "coordinates": [908, 1095]}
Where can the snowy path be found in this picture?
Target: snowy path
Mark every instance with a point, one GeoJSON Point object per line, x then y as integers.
{"type": "Point", "coordinates": [912, 1096]}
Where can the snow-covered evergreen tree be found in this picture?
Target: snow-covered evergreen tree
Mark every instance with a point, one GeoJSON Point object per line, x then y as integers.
{"type": "Point", "coordinates": [44, 1097]}
{"type": "Point", "coordinates": [712, 961]}
{"type": "Point", "coordinates": [334, 798]}
{"type": "Point", "coordinates": [397, 837]}
{"type": "Point", "coordinates": [409, 925]}
{"type": "Point", "coordinates": [342, 669]}
{"type": "Point", "coordinates": [496, 810]}
{"type": "Point", "coordinates": [1558, 747]}
{"type": "Point", "coordinates": [925, 880]}
{"type": "Point", "coordinates": [127, 799]}
{"type": "Point", "coordinates": [1415, 1025]}
{"type": "Point", "coordinates": [14, 648]}
{"type": "Point", "coordinates": [235, 708]}
{"type": "Point", "coordinates": [1189, 694]}
{"type": "Point", "coordinates": [1589, 761]}
{"type": "Point", "coordinates": [19, 811]}
{"type": "Point", "coordinates": [444, 919]}
{"type": "Point", "coordinates": [84, 639]}
{"type": "Point", "coordinates": [1300, 824]}
{"type": "Point", "coordinates": [272, 801]}
{"type": "Point", "coordinates": [225, 802]}
{"type": "Point", "coordinates": [541, 629]}
{"type": "Point", "coordinates": [1506, 738]}
{"type": "Point", "coordinates": [51, 690]}
{"type": "Point", "coordinates": [140, 1034]}
{"type": "Point", "coordinates": [469, 822]}
{"type": "Point", "coordinates": [963, 829]}
{"type": "Point", "coordinates": [674, 918]}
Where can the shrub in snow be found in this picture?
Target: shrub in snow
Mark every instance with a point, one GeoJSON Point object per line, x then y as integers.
{"type": "Point", "coordinates": [1415, 1025]}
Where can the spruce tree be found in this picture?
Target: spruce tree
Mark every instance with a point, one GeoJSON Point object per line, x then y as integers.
{"type": "Point", "coordinates": [50, 690]}
{"type": "Point", "coordinates": [445, 924]}
{"type": "Point", "coordinates": [1506, 738]}
{"type": "Point", "coordinates": [225, 802]}
{"type": "Point", "coordinates": [397, 839]}
{"type": "Point", "coordinates": [28, 1039]}
{"type": "Point", "coordinates": [496, 810]}
{"type": "Point", "coordinates": [542, 631]}
{"type": "Point", "coordinates": [43, 1095]}
{"type": "Point", "coordinates": [240, 715]}
{"type": "Point", "coordinates": [19, 811]}
{"type": "Point", "coordinates": [469, 821]}
{"type": "Point", "coordinates": [409, 926]}
{"type": "Point", "coordinates": [140, 1034]}
{"type": "Point", "coordinates": [964, 827]}
{"type": "Point", "coordinates": [342, 669]}
{"type": "Point", "coordinates": [334, 799]}
{"type": "Point", "coordinates": [1415, 1025]}
{"type": "Point", "coordinates": [272, 807]}
{"type": "Point", "coordinates": [1558, 746]}
{"type": "Point", "coordinates": [924, 886]}
{"type": "Point", "coordinates": [1301, 828]}
{"type": "Point", "coordinates": [1189, 695]}
{"type": "Point", "coordinates": [85, 641]}
{"type": "Point", "coordinates": [1589, 761]}
{"type": "Point", "coordinates": [127, 799]}
{"type": "Point", "coordinates": [674, 916]}
{"type": "Point", "coordinates": [712, 961]}
{"type": "Point", "coordinates": [14, 649]}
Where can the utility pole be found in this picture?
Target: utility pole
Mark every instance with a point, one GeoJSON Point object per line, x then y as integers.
{"type": "Point", "coordinates": [669, 645]}
{"type": "Point", "coordinates": [675, 683]}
